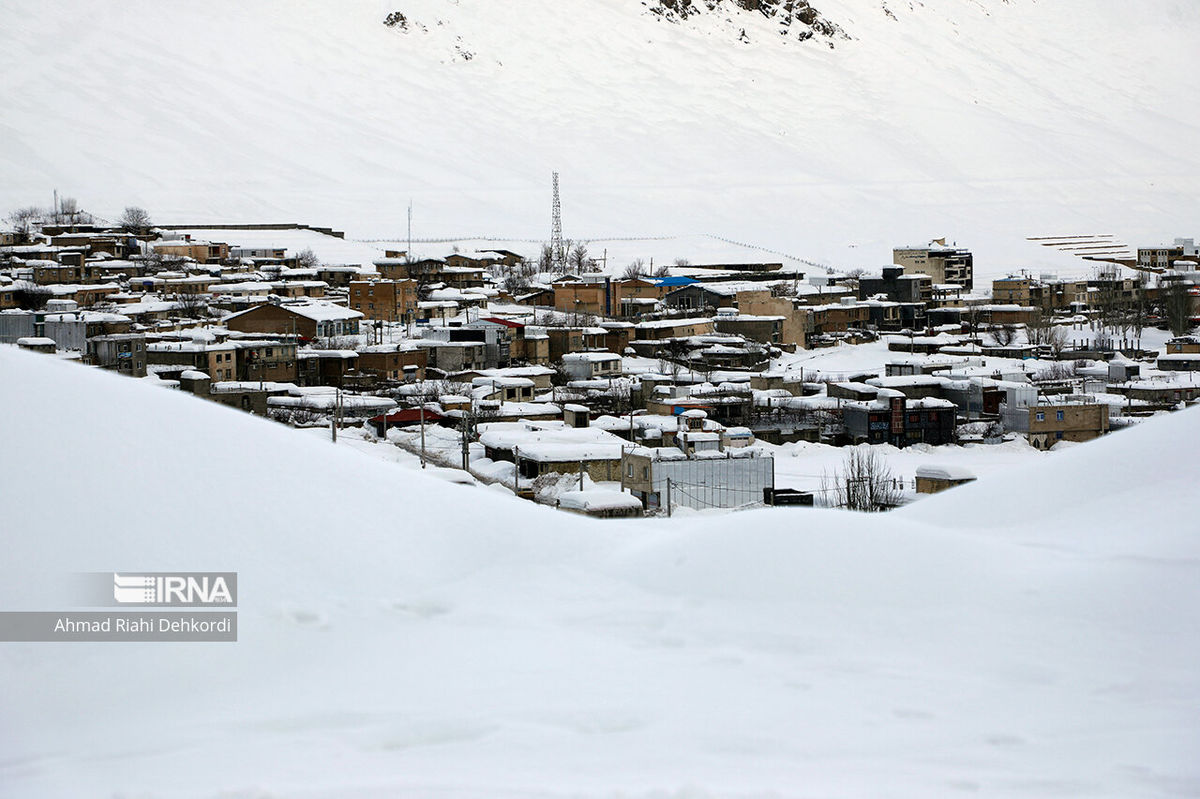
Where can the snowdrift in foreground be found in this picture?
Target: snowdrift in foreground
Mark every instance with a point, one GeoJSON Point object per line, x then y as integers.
{"type": "Point", "coordinates": [1027, 636]}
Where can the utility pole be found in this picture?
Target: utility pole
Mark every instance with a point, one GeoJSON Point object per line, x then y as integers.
{"type": "Point", "coordinates": [408, 252]}
{"type": "Point", "coordinates": [336, 415]}
{"type": "Point", "coordinates": [422, 432]}
{"type": "Point", "coordinates": [668, 497]}
{"type": "Point", "coordinates": [581, 475]}
{"type": "Point", "coordinates": [466, 450]}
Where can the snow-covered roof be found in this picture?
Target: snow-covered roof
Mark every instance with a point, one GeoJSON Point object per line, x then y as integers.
{"type": "Point", "coordinates": [590, 357]}
{"type": "Point", "coordinates": [667, 323]}
{"type": "Point", "coordinates": [597, 499]}
{"type": "Point", "coordinates": [930, 402]}
{"type": "Point", "coordinates": [542, 442]}
{"type": "Point", "coordinates": [316, 311]}
{"type": "Point", "coordinates": [944, 472]}
{"type": "Point", "coordinates": [188, 346]}
{"type": "Point", "coordinates": [235, 386]}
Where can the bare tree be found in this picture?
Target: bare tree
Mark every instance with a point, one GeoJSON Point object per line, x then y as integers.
{"type": "Point", "coordinates": [853, 279]}
{"type": "Point", "coordinates": [682, 262]}
{"type": "Point", "coordinates": [1177, 307]}
{"type": "Point", "coordinates": [337, 343]}
{"type": "Point", "coordinates": [864, 483]}
{"type": "Point", "coordinates": [155, 262]}
{"type": "Point", "coordinates": [1056, 339]}
{"type": "Point", "coordinates": [30, 297]}
{"type": "Point", "coordinates": [662, 271]}
{"type": "Point", "coordinates": [971, 317]}
{"type": "Point", "coordinates": [135, 220]}
{"type": "Point", "coordinates": [635, 270]}
{"type": "Point", "coordinates": [545, 262]}
{"type": "Point", "coordinates": [578, 259]}
{"type": "Point", "coordinates": [24, 220]}
{"type": "Point", "coordinates": [307, 259]}
{"type": "Point", "coordinates": [192, 305]}
{"type": "Point", "coordinates": [1004, 335]}
{"type": "Point", "coordinates": [1057, 372]}
{"type": "Point", "coordinates": [515, 283]}
{"type": "Point", "coordinates": [68, 211]}
{"type": "Point", "coordinates": [1038, 327]}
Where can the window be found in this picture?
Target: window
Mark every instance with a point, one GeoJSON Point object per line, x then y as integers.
{"type": "Point", "coordinates": [270, 352]}
{"type": "Point", "coordinates": [1041, 417]}
{"type": "Point", "coordinates": [1058, 434]}
{"type": "Point", "coordinates": [629, 470]}
{"type": "Point", "coordinates": [1058, 415]}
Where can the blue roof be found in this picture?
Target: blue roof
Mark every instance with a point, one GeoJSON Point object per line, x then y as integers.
{"type": "Point", "coordinates": [673, 281]}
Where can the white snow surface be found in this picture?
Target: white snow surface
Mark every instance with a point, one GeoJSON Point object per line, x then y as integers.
{"type": "Point", "coordinates": [986, 121]}
{"type": "Point", "coordinates": [1030, 634]}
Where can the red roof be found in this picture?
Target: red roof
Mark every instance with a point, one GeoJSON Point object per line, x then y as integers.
{"type": "Point", "coordinates": [505, 322]}
{"type": "Point", "coordinates": [408, 415]}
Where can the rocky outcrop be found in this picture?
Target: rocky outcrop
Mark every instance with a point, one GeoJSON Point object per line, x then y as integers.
{"type": "Point", "coordinates": [797, 18]}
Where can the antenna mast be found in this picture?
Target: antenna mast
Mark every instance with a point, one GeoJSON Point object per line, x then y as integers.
{"type": "Point", "coordinates": [557, 256]}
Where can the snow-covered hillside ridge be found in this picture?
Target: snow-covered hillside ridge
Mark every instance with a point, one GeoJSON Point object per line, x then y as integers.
{"type": "Point", "coordinates": [403, 636]}
{"type": "Point", "coordinates": [983, 120]}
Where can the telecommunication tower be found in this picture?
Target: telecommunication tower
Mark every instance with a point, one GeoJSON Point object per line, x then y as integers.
{"type": "Point", "coordinates": [558, 258]}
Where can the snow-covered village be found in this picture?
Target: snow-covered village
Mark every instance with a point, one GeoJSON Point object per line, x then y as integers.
{"type": "Point", "coordinates": [574, 378]}
{"type": "Point", "coordinates": [653, 399]}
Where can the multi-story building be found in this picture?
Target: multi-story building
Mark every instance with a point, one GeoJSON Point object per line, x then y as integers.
{"type": "Point", "coordinates": [795, 318]}
{"type": "Point", "coordinates": [898, 286]}
{"type": "Point", "coordinates": [121, 352]}
{"type": "Point", "coordinates": [894, 419]}
{"type": "Point", "coordinates": [840, 317]}
{"type": "Point", "coordinates": [205, 252]}
{"type": "Point", "coordinates": [763, 329]}
{"type": "Point", "coordinates": [1164, 257]}
{"type": "Point", "coordinates": [384, 300]}
{"type": "Point", "coordinates": [944, 264]}
{"type": "Point", "coordinates": [1067, 419]}
{"type": "Point", "coordinates": [308, 320]}
{"type": "Point", "coordinates": [1047, 293]}
{"type": "Point", "coordinates": [271, 360]}
{"type": "Point", "coordinates": [583, 295]}
{"type": "Point", "coordinates": [217, 360]}
{"type": "Point", "coordinates": [390, 362]}
{"type": "Point", "coordinates": [70, 268]}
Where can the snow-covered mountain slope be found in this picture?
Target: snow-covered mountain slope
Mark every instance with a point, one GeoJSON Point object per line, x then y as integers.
{"type": "Point", "coordinates": [983, 120]}
{"type": "Point", "coordinates": [401, 636]}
